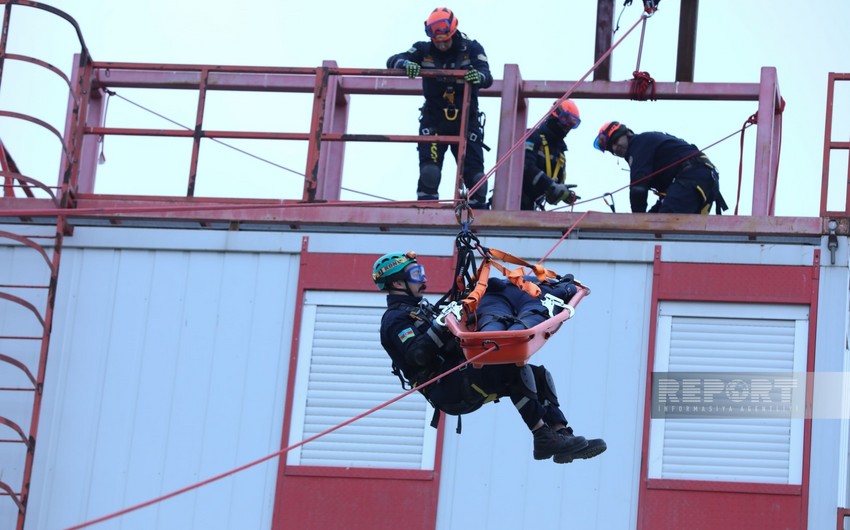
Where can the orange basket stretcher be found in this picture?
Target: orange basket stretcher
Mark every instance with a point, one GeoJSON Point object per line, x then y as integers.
{"type": "Point", "coordinates": [511, 346]}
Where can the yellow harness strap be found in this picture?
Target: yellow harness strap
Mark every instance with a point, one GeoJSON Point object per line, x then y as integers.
{"type": "Point", "coordinates": [706, 209]}
{"type": "Point", "coordinates": [552, 174]}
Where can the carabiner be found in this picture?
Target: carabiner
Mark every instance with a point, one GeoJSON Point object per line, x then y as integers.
{"type": "Point", "coordinates": [609, 203]}
{"type": "Point", "coordinates": [462, 209]}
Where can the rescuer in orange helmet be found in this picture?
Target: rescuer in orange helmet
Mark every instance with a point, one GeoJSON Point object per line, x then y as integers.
{"type": "Point", "coordinates": [448, 49]}
{"type": "Point", "coordinates": [682, 176]}
{"type": "Point", "coordinates": [544, 175]}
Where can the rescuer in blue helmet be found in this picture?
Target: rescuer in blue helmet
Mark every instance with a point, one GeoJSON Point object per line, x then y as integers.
{"type": "Point", "coordinates": [420, 349]}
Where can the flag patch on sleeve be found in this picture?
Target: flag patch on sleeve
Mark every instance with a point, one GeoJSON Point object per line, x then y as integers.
{"type": "Point", "coordinates": [405, 334]}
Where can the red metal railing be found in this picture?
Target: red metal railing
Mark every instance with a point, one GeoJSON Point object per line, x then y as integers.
{"type": "Point", "coordinates": [829, 147]}
{"type": "Point", "coordinates": [329, 86]}
{"type": "Point", "coordinates": [843, 513]}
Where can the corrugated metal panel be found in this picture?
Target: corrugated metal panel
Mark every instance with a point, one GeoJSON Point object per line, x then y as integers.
{"type": "Point", "coordinates": [143, 335]}
{"type": "Point", "coordinates": [348, 373]}
{"type": "Point", "coordinates": [167, 368]}
{"type": "Point", "coordinates": [490, 479]}
{"type": "Point", "coordinates": [726, 338]}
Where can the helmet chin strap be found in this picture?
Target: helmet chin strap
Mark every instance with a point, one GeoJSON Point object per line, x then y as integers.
{"type": "Point", "coordinates": [408, 291]}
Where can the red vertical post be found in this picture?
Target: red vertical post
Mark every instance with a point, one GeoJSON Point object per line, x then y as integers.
{"type": "Point", "coordinates": [827, 133]}
{"type": "Point", "coordinates": [336, 121]}
{"type": "Point", "coordinates": [85, 109]}
{"type": "Point", "coordinates": [198, 132]}
{"type": "Point", "coordinates": [767, 154]}
{"type": "Point", "coordinates": [463, 137]}
{"type": "Point", "coordinates": [513, 119]}
{"type": "Point", "coordinates": [317, 123]}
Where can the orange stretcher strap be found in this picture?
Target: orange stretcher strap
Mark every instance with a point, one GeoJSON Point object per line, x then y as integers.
{"type": "Point", "coordinates": [515, 276]}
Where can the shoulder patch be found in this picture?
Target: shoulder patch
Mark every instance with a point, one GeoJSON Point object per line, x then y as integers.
{"type": "Point", "coordinates": [529, 145]}
{"type": "Point", "coordinates": [405, 334]}
{"type": "Point", "coordinates": [482, 57]}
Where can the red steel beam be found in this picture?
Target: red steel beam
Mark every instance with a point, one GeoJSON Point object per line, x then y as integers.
{"type": "Point", "coordinates": [395, 216]}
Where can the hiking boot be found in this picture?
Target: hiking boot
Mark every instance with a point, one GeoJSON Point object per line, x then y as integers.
{"type": "Point", "coordinates": [594, 447]}
{"type": "Point", "coordinates": [548, 443]}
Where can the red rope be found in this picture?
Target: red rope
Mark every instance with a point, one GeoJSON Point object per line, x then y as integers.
{"type": "Point", "coordinates": [521, 141]}
{"type": "Point", "coordinates": [642, 81]}
{"type": "Point", "coordinates": [278, 453]}
{"type": "Point", "coordinates": [752, 120]}
{"type": "Point", "coordinates": [563, 237]}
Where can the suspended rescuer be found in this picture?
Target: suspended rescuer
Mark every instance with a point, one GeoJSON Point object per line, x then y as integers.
{"type": "Point", "coordinates": [684, 178]}
{"type": "Point", "coordinates": [506, 307]}
{"type": "Point", "coordinates": [448, 49]}
{"type": "Point", "coordinates": [420, 350]}
{"type": "Point", "coordinates": [544, 174]}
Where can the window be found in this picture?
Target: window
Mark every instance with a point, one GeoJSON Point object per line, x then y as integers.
{"type": "Point", "coordinates": [343, 372]}
{"type": "Point", "coordinates": [726, 337]}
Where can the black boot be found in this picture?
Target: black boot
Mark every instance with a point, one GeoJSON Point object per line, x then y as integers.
{"type": "Point", "coordinates": [548, 443]}
{"type": "Point", "coordinates": [594, 447]}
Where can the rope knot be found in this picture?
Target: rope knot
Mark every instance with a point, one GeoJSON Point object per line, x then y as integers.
{"type": "Point", "coordinates": [642, 84]}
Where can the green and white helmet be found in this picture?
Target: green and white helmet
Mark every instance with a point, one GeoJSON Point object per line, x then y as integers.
{"type": "Point", "coordinates": [390, 267]}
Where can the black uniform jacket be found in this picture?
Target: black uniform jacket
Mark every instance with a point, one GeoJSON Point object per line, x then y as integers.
{"type": "Point", "coordinates": [464, 53]}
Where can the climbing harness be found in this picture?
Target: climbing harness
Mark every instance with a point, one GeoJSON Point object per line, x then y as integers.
{"type": "Point", "coordinates": [458, 306]}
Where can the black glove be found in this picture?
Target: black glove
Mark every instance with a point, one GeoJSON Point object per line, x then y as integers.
{"type": "Point", "coordinates": [650, 6]}
{"type": "Point", "coordinates": [561, 192]}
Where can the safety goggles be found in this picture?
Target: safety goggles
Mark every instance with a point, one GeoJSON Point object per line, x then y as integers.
{"type": "Point", "coordinates": [567, 119]}
{"type": "Point", "coordinates": [601, 142]}
{"type": "Point", "coordinates": [604, 136]}
{"type": "Point", "coordinates": [416, 274]}
{"type": "Point", "coordinates": [439, 29]}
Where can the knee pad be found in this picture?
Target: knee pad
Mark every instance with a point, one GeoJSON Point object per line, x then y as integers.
{"type": "Point", "coordinates": [526, 382]}
{"type": "Point", "coordinates": [478, 200]}
{"type": "Point", "coordinates": [545, 385]}
{"type": "Point", "coordinates": [429, 180]}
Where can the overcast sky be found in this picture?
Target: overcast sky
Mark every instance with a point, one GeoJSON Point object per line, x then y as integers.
{"type": "Point", "coordinates": [548, 40]}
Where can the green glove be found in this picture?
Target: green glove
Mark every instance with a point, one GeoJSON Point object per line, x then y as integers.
{"type": "Point", "coordinates": [472, 76]}
{"type": "Point", "coordinates": [411, 69]}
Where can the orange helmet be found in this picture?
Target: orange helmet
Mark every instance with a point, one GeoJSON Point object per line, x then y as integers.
{"type": "Point", "coordinates": [608, 134]}
{"type": "Point", "coordinates": [567, 114]}
{"type": "Point", "coordinates": [441, 24]}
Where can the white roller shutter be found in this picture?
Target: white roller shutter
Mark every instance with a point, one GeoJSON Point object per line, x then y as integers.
{"type": "Point", "coordinates": [708, 337]}
{"type": "Point", "coordinates": [343, 372]}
